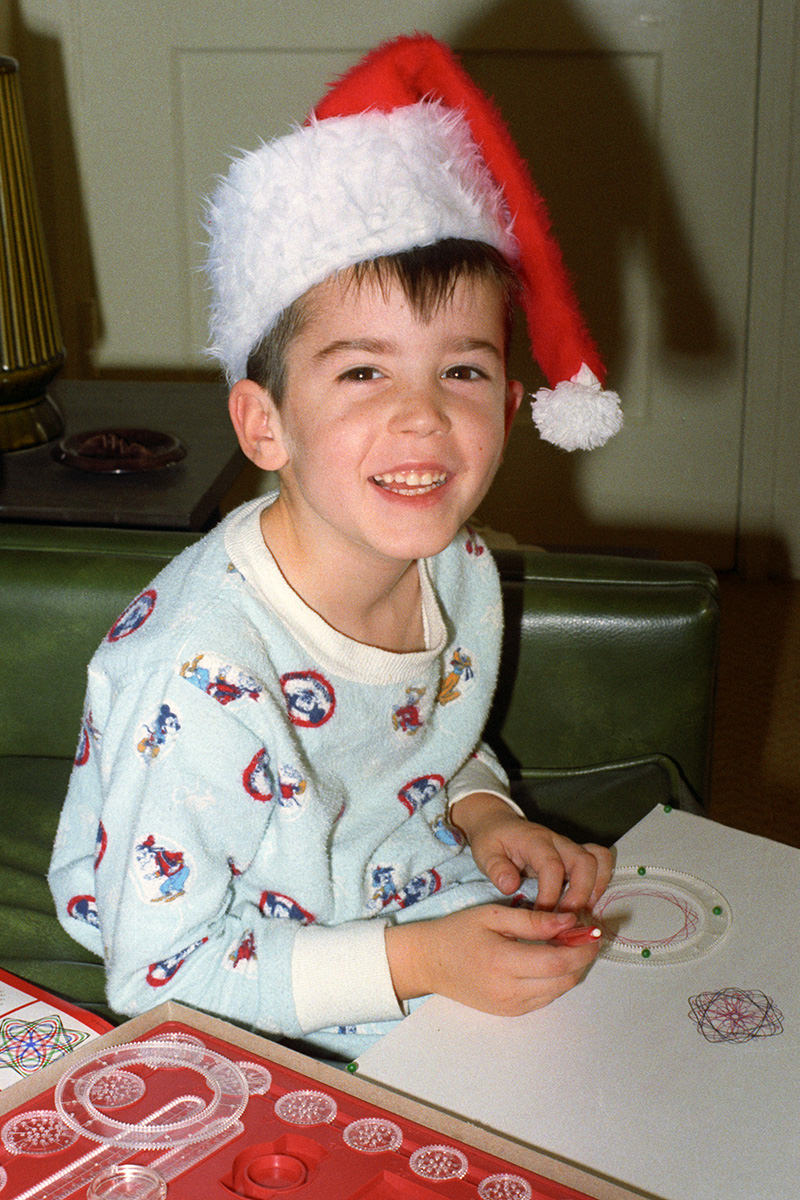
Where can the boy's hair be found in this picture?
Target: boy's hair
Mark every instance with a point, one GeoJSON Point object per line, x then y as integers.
{"type": "Point", "coordinates": [428, 276]}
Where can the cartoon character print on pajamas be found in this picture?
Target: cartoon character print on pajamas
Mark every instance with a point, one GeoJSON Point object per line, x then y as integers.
{"type": "Point", "coordinates": [387, 892]}
{"type": "Point", "coordinates": [256, 777]}
{"type": "Point", "coordinates": [89, 736]}
{"type": "Point", "coordinates": [221, 682]}
{"type": "Point", "coordinates": [134, 616]}
{"type": "Point", "coordinates": [426, 884]}
{"type": "Point", "coordinates": [406, 717]}
{"type": "Point", "coordinates": [310, 698]}
{"type": "Point", "coordinates": [446, 833]}
{"type": "Point", "coordinates": [162, 871]}
{"type": "Point", "coordinates": [473, 544]}
{"type": "Point", "coordinates": [160, 973]}
{"type": "Point", "coordinates": [163, 729]}
{"type": "Point", "coordinates": [419, 791]}
{"type": "Point", "coordinates": [258, 782]}
{"type": "Point", "coordinates": [461, 672]}
{"type": "Point", "coordinates": [384, 887]}
{"type": "Point", "coordinates": [84, 908]}
{"type": "Point", "coordinates": [100, 844]}
{"type": "Point", "coordinates": [292, 787]}
{"type": "Point", "coordinates": [242, 955]}
{"type": "Point", "coordinates": [284, 908]}
{"type": "Point", "coordinates": [84, 748]}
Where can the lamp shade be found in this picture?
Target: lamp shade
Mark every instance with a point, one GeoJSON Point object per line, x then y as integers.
{"type": "Point", "coordinates": [31, 347]}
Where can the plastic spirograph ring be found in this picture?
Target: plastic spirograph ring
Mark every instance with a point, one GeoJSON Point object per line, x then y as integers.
{"type": "Point", "coordinates": [504, 1187]}
{"type": "Point", "coordinates": [306, 1107]}
{"type": "Point", "coordinates": [439, 1162]}
{"type": "Point", "coordinates": [225, 1081]}
{"type": "Point", "coordinates": [373, 1135]}
{"type": "Point", "coordinates": [259, 1079]}
{"type": "Point", "coordinates": [116, 1089]}
{"type": "Point", "coordinates": [654, 916]}
{"type": "Point", "coordinates": [38, 1132]}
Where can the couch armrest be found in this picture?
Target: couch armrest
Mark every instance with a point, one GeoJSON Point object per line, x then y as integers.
{"type": "Point", "coordinates": [606, 659]}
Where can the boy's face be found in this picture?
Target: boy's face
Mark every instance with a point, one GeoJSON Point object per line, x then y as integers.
{"type": "Point", "coordinates": [392, 427]}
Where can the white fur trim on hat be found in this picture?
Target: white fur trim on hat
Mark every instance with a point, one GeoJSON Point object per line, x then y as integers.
{"type": "Point", "coordinates": [577, 414]}
{"type": "Point", "coordinates": [333, 193]}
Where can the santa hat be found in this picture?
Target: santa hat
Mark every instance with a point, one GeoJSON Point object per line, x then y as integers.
{"type": "Point", "coordinates": [404, 150]}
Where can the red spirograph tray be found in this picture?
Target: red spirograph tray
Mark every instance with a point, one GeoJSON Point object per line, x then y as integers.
{"type": "Point", "coordinates": [256, 1130]}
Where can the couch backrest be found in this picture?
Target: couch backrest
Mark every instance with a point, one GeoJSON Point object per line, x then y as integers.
{"type": "Point", "coordinates": [605, 659]}
{"type": "Point", "coordinates": [60, 590]}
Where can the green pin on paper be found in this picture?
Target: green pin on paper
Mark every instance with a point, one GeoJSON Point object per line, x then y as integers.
{"type": "Point", "coordinates": [641, 870]}
{"type": "Point", "coordinates": [646, 952]}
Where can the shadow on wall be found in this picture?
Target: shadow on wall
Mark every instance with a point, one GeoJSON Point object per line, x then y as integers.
{"type": "Point", "coordinates": [595, 158]}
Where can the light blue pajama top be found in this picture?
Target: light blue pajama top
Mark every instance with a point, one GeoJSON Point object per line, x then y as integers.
{"type": "Point", "coordinates": [255, 795]}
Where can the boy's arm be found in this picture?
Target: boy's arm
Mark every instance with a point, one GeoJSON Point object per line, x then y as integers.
{"type": "Point", "coordinates": [480, 773]}
{"type": "Point", "coordinates": [177, 827]}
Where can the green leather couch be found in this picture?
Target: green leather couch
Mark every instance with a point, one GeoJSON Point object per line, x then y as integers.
{"type": "Point", "coordinates": [603, 710]}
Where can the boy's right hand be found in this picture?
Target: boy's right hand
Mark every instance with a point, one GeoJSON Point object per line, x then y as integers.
{"type": "Point", "coordinates": [493, 958]}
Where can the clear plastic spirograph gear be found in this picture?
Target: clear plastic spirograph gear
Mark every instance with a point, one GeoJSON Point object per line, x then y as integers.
{"type": "Point", "coordinates": [655, 916]}
{"type": "Point", "coordinates": [205, 1120]}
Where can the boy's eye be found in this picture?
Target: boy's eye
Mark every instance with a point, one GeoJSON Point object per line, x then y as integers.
{"type": "Point", "coordinates": [361, 374]}
{"type": "Point", "coordinates": [462, 371]}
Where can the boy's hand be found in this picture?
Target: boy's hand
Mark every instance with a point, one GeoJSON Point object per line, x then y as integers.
{"type": "Point", "coordinates": [493, 958]}
{"type": "Point", "coordinates": [506, 847]}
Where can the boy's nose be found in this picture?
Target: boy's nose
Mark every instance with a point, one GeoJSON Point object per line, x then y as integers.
{"type": "Point", "coordinates": [422, 411]}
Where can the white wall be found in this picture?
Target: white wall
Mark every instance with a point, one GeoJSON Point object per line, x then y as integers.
{"type": "Point", "coordinates": [770, 494]}
{"type": "Point", "coordinates": [78, 128]}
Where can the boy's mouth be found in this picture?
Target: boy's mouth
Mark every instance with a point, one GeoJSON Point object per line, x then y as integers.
{"type": "Point", "coordinates": [410, 483]}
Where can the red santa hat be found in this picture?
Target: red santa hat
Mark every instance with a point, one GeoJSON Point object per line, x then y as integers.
{"type": "Point", "coordinates": [404, 150]}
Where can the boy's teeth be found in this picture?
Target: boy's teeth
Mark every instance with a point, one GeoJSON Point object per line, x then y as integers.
{"type": "Point", "coordinates": [411, 478]}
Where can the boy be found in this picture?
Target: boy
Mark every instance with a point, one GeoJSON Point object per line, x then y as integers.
{"type": "Point", "coordinates": [297, 825]}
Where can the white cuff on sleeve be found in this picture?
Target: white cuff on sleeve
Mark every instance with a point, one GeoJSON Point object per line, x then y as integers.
{"type": "Point", "coordinates": [340, 975]}
{"type": "Point", "coordinates": [476, 776]}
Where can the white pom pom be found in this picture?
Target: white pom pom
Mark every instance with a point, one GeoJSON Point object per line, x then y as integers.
{"type": "Point", "coordinates": [578, 414]}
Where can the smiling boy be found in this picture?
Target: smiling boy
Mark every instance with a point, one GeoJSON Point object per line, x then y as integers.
{"type": "Point", "coordinates": [390, 431]}
{"type": "Point", "coordinates": [327, 656]}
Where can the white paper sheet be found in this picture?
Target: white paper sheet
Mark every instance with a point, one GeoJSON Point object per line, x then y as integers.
{"type": "Point", "coordinates": [617, 1075]}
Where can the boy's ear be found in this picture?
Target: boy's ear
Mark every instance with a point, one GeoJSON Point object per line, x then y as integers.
{"type": "Point", "coordinates": [514, 393]}
{"type": "Point", "coordinates": [257, 423]}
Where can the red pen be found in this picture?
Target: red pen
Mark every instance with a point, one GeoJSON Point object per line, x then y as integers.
{"type": "Point", "coordinates": [579, 935]}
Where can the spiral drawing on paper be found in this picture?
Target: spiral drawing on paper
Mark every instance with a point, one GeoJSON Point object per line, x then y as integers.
{"type": "Point", "coordinates": [735, 1015]}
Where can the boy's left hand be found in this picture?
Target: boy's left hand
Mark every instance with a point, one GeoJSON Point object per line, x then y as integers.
{"type": "Point", "coordinates": [506, 847]}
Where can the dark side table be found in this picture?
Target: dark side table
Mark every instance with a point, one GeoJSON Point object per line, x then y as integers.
{"type": "Point", "coordinates": [183, 496]}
